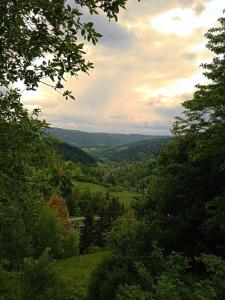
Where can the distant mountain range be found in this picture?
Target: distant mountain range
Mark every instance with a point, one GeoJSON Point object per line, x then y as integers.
{"type": "Point", "coordinates": [86, 139]}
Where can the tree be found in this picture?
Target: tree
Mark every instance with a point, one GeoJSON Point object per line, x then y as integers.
{"type": "Point", "coordinates": [48, 233]}
{"type": "Point", "coordinates": [73, 202]}
{"type": "Point", "coordinates": [70, 244]}
{"type": "Point", "coordinates": [42, 281]}
{"type": "Point", "coordinates": [10, 284]}
{"type": "Point", "coordinates": [203, 125]}
{"type": "Point", "coordinates": [205, 111]}
{"type": "Point", "coordinates": [87, 235]}
{"type": "Point", "coordinates": [16, 242]}
{"type": "Point", "coordinates": [131, 292]}
{"type": "Point", "coordinates": [109, 211]}
{"type": "Point", "coordinates": [39, 40]}
{"type": "Point", "coordinates": [58, 204]}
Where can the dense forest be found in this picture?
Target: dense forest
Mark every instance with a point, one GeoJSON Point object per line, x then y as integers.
{"type": "Point", "coordinates": [140, 217]}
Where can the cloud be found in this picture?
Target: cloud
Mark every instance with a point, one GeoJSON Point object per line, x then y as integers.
{"type": "Point", "coordinates": [115, 36]}
{"type": "Point", "coordinates": [184, 21]}
{"type": "Point", "coordinates": [142, 73]}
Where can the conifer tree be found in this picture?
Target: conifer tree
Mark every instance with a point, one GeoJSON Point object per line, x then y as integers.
{"type": "Point", "coordinates": [87, 235]}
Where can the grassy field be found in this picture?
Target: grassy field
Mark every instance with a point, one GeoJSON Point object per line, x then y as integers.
{"type": "Point", "coordinates": [125, 196]}
{"type": "Point", "coordinates": [79, 268]}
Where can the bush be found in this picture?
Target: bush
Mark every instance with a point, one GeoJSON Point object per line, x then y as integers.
{"type": "Point", "coordinates": [42, 281]}
{"type": "Point", "coordinates": [70, 244]}
{"type": "Point", "coordinates": [14, 239]}
{"type": "Point", "coordinates": [48, 233]}
{"type": "Point", "coordinates": [10, 284]}
{"type": "Point", "coordinates": [131, 292]}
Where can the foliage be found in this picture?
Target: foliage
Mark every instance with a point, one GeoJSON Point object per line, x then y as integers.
{"type": "Point", "coordinates": [78, 269]}
{"type": "Point", "coordinates": [75, 154]}
{"type": "Point", "coordinates": [43, 36]}
{"type": "Point", "coordinates": [58, 204]}
{"type": "Point", "coordinates": [136, 151]}
{"type": "Point", "coordinates": [107, 277]}
{"type": "Point", "coordinates": [134, 175]}
{"type": "Point", "coordinates": [94, 196]}
{"type": "Point", "coordinates": [73, 202]}
{"type": "Point", "coordinates": [107, 215]}
{"type": "Point", "coordinates": [205, 112]}
{"type": "Point", "coordinates": [10, 284]}
{"type": "Point", "coordinates": [121, 239]}
{"type": "Point", "coordinates": [27, 160]}
{"type": "Point", "coordinates": [42, 281]}
{"type": "Point", "coordinates": [87, 235]}
{"type": "Point", "coordinates": [130, 292]}
{"type": "Point", "coordinates": [48, 233]}
{"type": "Point", "coordinates": [70, 244]}
{"type": "Point", "coordinates": [14, 238]}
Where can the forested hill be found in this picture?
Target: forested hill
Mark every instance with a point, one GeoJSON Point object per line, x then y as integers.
{"type": "Point", "coordinates": [136, 151]}
{"type": "Point", "coordinates": [86, 139]}
{"type": "Point", "coordinates": [75, 154]}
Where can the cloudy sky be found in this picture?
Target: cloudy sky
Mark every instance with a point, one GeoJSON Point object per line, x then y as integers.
{"type": "Point", "coordinates": [146, 65]}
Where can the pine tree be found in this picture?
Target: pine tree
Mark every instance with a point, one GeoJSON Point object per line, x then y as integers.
{"type": "Point", "coordinates": [87, 235]}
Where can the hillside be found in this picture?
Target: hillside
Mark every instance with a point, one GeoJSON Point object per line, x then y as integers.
{"type": "Point", "coordinates": [75, 154]}
{"type": "Point", "coordinates": [78, 269]}
{"type": "Point", "coordinates": [87, 139]}
{"type": "Point", "coordinates": [136, 151]}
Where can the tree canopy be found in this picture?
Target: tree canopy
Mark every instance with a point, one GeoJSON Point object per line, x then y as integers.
{"type": "Point", "coordinates": [43, 40]}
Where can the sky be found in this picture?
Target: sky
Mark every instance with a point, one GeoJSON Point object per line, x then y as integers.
{"type": "Point", "coordinates": [146, 65]}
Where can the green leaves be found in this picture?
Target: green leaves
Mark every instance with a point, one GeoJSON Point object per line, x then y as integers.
{"type": "Point", "coordinates": [206, 110]}
{"type": "Point", "coordinates": [67, 94]}
{"type": "Point", "coordinates": [31, 30]}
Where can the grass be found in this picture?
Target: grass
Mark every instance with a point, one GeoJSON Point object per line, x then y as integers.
{"type": "Point", "coordinates": [78, 269]}
{"type": "Point", "coordinates": [125, 196]}
{"type": "Point", "coordinates": [91, 186]}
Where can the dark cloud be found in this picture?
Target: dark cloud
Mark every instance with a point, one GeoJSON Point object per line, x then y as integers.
{"type": "Point", "coordinates": [114, 35]}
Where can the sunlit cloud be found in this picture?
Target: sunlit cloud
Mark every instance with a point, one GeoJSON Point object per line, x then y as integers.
{"type": "Point", "coordinates": [184, 21]}
{"type": "Point", "coordinates": [179, 21]}
{"type": "Point", "coordinates": [146, 65]}
{"type": "Point", "coordinates": [169, 94]}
